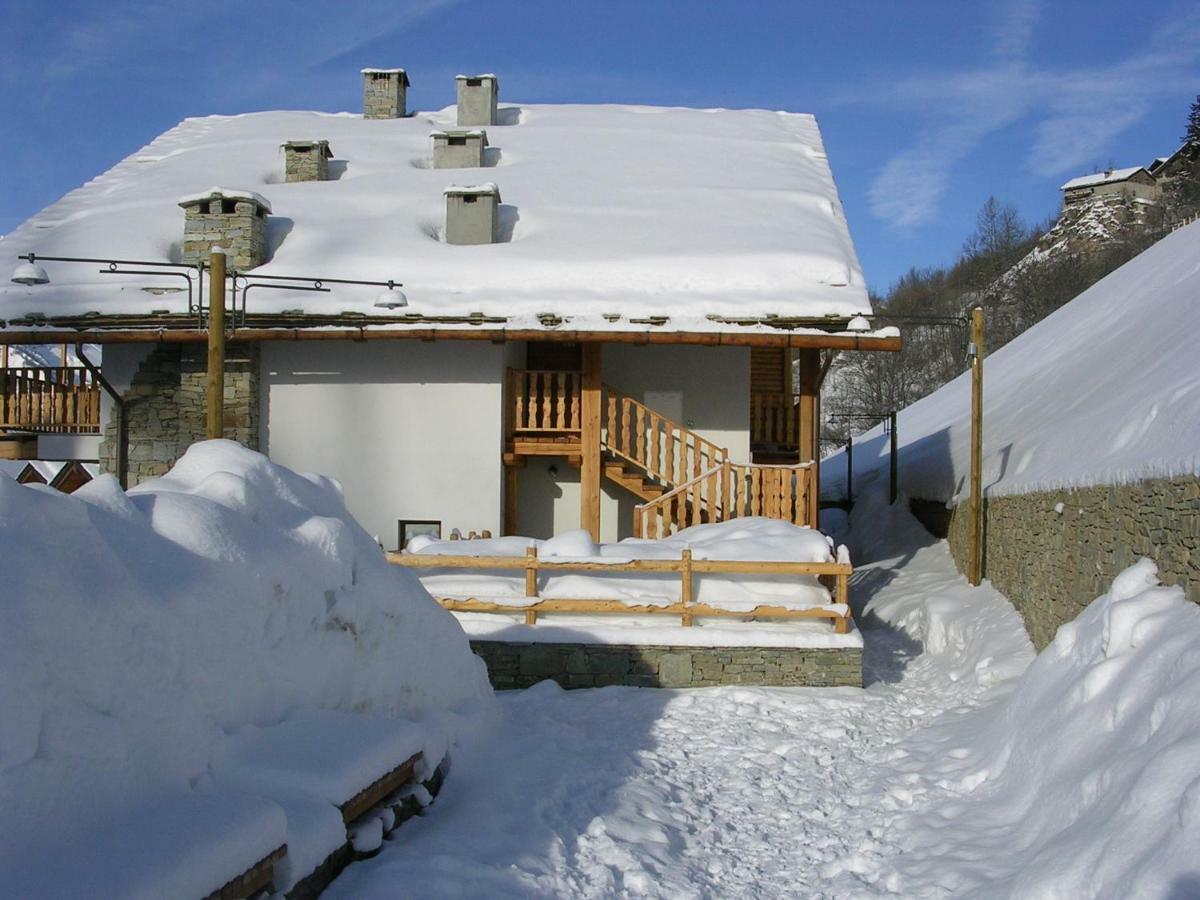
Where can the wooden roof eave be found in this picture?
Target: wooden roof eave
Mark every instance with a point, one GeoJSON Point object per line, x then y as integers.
{"type": "Point", "coordinates": [164, 335]}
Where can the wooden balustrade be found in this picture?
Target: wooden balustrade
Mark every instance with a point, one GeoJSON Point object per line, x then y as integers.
{"type": "Point", "coordinates": [730, 491]}
{"type": "Point", "coordinates": [665, 450]}
{"type": "Point", "coordinates": [775, 421]}
{"type": "Point", "coordinates": [542, 400]}
{"type": "Point", "coordinates": [56, 399]}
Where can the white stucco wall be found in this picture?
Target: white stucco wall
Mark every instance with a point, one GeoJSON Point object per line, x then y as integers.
{"type": "Point", "coordinates": [411, 430]}
{"type": "Point", "coordinates": [705, 388]}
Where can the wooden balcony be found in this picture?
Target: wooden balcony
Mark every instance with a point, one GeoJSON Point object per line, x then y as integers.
{"type": "Point", "coordinates": [775, 423]}
{"type": "Point", "coordinates": [49, 400]}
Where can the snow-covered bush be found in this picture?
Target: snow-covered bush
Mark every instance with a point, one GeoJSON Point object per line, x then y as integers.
{"type": "Point", "coordinates": [137, 630]}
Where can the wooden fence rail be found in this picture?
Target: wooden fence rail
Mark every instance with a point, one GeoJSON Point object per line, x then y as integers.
{"type": "Point", "coordinates": [686, 567]}
{"type": "Point", "coordinates": [731, 491]}
{"type": "Point", "coordinates": [59, 399]}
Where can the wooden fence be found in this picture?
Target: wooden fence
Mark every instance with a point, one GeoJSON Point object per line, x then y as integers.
{"type": "Point", "coordinates": [686, 567]}
{"type": "Point", "coordinates": [59, 399]}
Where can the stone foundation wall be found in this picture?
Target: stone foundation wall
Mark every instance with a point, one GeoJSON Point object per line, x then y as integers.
{"type": "Point", "coordinates": [166, 406]}
{"type": "Point", "coordinates": [1052, 564]}
{"type": "Point", "coordinates": [516, 665]}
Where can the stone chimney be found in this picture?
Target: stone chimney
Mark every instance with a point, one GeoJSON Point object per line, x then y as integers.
{"type": "Point", "coordinates": [236, 220]}
{"type": "Point", "coordinates": [306, 160]}
{"type": "Point", "coordinates": [384, 93]}
{"type": "Point", "coordinates": [477, 96]}
{"type": "Point", "coordinates": [458, 149]}
{"type": "Point", "coordinates": [472, 213]}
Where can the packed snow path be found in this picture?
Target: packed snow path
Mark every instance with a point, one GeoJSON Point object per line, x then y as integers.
{"type": "Point", "coordinates": [752, 792]}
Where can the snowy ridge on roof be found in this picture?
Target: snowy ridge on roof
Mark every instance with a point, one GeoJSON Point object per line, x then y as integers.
{"type": "Point", "coordinates": [488, 187]}
{"type": "Point", "coordinates": [484, 75]}
{"type": "Point", "coordinates": [1109, 177]}
{"type": "Point", "coordinates": [630, 210]}
{"type": "Point", "coordinates": [217, 193]}
{"type": "Point", "coordinates": [1105, 390]}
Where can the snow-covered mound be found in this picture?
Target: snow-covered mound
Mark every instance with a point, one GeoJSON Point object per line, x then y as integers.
{"type": "Point", "coordinates": [138, 631]}
{"type": "Point", "coordinates": [1085, 780]}
{"type": "Point", "coordinates": [607, 210]}
{"type": "Point", "coordinates": [1105, 390]}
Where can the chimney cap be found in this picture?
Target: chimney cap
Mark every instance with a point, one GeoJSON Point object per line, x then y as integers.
{"type": "Point", "coordinates": [461, 132]}
{"type": "Point", "coordinates": [486, 189]}
{"type": "Point", "coordinates": [216, 193]}
{"type": "Point", "coordinates": [488, 76]}
{"type": "Point", "coordinates": [403, 74]}
{"type": "Point", "coordinates": [322, 145]}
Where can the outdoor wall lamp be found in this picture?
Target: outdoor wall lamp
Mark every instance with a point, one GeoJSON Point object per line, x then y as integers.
{"type": "Point", "coordinates": [391, 298]}
{"type": "Point", "coordinates": [29, 272]}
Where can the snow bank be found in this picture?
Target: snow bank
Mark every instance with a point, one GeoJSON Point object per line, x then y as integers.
{"type": "Point", "coordinates": [609, 210]}
{"type": "Point", "coordinates": [750, 538]}
{"type": "Point", "coordinates": [1105, 390]}
{"type": "Point", "coordinates": [139, 630]}
{"type": "Point", "coordinates": [1085, 780]}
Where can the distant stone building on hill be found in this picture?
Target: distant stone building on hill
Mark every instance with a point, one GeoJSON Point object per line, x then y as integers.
{"type": "Point", "coordinates": [1134, 182]}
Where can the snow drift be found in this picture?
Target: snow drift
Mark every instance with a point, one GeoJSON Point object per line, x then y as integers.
{"type": "Point", "coordinates": [1085, 780]}
{"type": "Point", "coordinates": [139, 630]}
{"type": "Point", "coordinates": [1105, 390]}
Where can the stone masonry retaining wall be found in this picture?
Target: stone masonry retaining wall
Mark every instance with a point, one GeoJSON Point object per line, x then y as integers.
{"type": "Point", "coordinates": [1052, 564]}
{"type": "Point", "coordinates": [519, 665]}
{"type": "Point", "coordinates": [166, 406]}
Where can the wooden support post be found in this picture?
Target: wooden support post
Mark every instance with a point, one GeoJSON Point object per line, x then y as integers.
{"type": "Point", "coordinates": [975, 558]}
{"type": "Point", "coordinates": [850, 471]}
{"type": "Point", "coordinates": [810, 388]}
{"type": "Point", "coordinates": [510, 499]}
{"type": "Point", "coordinates": [842, 625]}
{"type": "Point", "coordinates": [216, 345]}
{"type": "Point", "coordinates": [893, 460]}
{"type": "Point", "coordinates": [531, 573]}
{"type": "Point", "coordinates": [685, 593]}
{"type": "Point", "coordinates": [589, 440]}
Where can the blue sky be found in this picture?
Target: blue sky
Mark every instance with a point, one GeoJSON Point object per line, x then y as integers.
{"type": "Point", "coordinates": [927, 108]}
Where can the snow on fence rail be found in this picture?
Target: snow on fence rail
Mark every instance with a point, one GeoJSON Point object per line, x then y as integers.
{"type": "Point", "coordinates": [686, 567]}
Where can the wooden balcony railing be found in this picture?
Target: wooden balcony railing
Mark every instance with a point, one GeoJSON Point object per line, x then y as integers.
{"type": "Point", "coordinates": [63, 400]}
{"type": "Point", "coordinates": [730, 491]}
{"type": "Point", "coordinates": [775, 421]}
{"type": "Point", "coordinates": [665, 450]}
{"type": "Point", "coordinates": [543, 401]}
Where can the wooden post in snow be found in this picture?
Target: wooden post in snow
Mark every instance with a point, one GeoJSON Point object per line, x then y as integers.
{"type": "Point", "coordinates": [893, 459]}
{"type": "Point", "coordinates": [975, 558]}
{"type": "Point", "coordinates": [810, 412]}
{"type": "Point", "coordinates": [849, 471]}
{"type": "Point", "coordinates": [589, 440]}
{"type": "Point", "coordinates": [216, 345]}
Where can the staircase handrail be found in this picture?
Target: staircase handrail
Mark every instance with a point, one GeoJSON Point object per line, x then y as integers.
{"type": "Point", "coordinates": [695, 453]}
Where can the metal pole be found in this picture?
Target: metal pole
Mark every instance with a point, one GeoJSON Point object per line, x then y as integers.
{"type": "Point", "coordinates": [892, 462]}
{"type": "Point", "coordinates": [850, 470]}
{"type": "Point", "coordinates": [216, 345]}
{"type": "Point", "coordinates": [975, 559]}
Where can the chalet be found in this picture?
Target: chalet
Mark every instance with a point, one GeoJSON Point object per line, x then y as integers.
{"type": "Point", "coordinates": [613, 315]}
{"type": "Point", "coordinates": [1135, 181]}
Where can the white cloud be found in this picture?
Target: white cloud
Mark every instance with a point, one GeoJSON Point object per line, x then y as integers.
{"type": "Point", "coordinates": [1076, 113]}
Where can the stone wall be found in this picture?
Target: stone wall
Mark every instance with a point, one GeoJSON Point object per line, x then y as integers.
{"type": "Point", "coordinates": [306, 161]}
{"type": "Point", "coordinates": [520, 665]}
{"type": "Point", "coordinates": [1052, 553]}
{"type": "Point", "coordinates": [167, 407]}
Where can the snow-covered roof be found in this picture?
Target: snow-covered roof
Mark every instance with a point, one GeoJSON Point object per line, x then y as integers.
{"type": "Point", "coordinates": [1110, 177]}
{"type": "Point", "coordinates": [633, 212]}
{"type": "Point", "coordinates": [458, 190]}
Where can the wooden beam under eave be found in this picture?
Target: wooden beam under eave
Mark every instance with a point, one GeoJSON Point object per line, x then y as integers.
{"type": "Point", "coordinates": [591, 378]}
{"type": "Point", "coordinates": [497, 335]}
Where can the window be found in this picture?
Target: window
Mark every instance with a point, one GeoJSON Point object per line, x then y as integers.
{"type": "Point", "coordinates": [457, 141]}
{"type": "Point", "coordinates": [228, 207]}
{"type": "Point", "coordinates": [474, 82]}
{"type": "Point", "coordinates": [469, 198]}
{"type": "Point", "coordinates": [407, 529]}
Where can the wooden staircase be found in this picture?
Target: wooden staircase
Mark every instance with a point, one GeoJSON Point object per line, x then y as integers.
{"type": "Point", "coordinates": [682, 478]}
